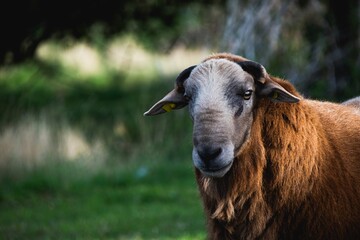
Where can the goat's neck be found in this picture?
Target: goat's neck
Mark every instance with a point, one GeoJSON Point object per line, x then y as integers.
{"type": "Point", "coordinates": [291, 139]}
{"type": "Point", "coordinates": [268, 160]}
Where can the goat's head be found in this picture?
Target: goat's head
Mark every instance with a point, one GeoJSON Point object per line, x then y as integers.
{"type": "Point", "coordinates": [221, 95]}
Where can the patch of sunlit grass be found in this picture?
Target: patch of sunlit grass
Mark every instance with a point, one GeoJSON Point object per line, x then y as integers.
{"type": "Point", "coordinates": [122, 54]}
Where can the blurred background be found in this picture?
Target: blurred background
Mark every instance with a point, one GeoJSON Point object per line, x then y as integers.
{"type": "Point", "coordinates": [77, 158]}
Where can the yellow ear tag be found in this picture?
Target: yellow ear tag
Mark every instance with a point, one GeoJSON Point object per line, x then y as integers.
{"type": "Point", "coordinates": [275, 95]}
{"type": "Point", "coordinates": [169, 106]}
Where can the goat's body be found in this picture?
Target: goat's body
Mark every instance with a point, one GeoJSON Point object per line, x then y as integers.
{"type": "Point", "coordinates": [269, 164]}
{"type": "Point", "coordinates": [298, 177]}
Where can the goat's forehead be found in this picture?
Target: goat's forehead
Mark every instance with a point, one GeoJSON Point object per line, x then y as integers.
{"type": "Point", "coordinates": [217, 72]}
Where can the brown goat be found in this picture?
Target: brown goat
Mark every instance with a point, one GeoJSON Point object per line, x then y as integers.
{"type": "Point", "coordinates": [269, 164]}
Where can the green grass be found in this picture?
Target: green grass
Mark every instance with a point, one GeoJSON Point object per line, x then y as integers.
{"type": "Point", "coordinates": [153, 201]}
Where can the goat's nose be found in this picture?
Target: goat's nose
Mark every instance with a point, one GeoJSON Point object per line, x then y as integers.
{"type": "Point", "coordinates": [207, 153]}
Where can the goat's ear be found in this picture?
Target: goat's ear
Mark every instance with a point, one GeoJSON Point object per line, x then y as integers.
{"type": "Point", "coordinates": [256, 70]}
{"type": "Point", "coordinates": [174, 99]}
{"type": "Point", "coordinates": [275, 92]}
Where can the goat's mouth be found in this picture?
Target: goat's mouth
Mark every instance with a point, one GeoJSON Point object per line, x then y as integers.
{"type": "Point", "coordinates": [217, 173]}
{"type": "Point", "coordinates": [215, 163]}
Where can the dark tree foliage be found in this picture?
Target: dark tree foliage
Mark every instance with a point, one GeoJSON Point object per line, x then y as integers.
{"type": "Point", "coordinates": [344, 16]}
{"type": "Point", "coordinates": [25, 23]}
{"type": "Point", "coordinates": [342, 45]}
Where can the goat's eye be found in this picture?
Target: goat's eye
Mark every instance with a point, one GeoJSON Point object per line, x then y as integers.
{"type": "Point", "coordinates": [247, 94]}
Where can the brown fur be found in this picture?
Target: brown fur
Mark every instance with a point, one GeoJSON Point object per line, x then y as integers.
{"type": "Point", "coordinates": [297, 177]}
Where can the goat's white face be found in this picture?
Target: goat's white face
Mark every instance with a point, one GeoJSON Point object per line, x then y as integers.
{"type": "Point", "coordinates": [221, 95]}
{"type": "Point", "coordinates": [220, 104]}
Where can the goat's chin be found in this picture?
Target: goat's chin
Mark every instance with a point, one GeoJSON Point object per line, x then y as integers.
{"type": "Point", "coordinates": [216, 174]}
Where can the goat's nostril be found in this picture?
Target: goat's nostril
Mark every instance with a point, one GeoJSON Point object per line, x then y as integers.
{"type": "Point", "coordinates": [207, 153]}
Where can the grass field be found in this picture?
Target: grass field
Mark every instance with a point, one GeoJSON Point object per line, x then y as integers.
{"type": "Point", "coordinates": [153, 201]}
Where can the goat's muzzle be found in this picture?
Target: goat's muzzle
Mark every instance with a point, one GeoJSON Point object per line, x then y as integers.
{"type": "Point", "coordinates": [213, 160]}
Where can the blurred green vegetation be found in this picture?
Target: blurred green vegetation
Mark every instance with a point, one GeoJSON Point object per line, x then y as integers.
{"type": "Point", "coordinates": [95, 104]}
{"type": "Point", "coordinates": [143, 189]}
